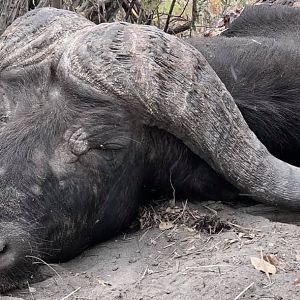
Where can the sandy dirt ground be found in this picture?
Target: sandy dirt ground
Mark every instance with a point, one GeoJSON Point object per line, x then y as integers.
{"type": "Point", "coordinates": [185, 263]}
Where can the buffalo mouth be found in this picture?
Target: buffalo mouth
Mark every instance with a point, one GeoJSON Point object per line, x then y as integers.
{"type": "Point", "coordinates": [16, 263]}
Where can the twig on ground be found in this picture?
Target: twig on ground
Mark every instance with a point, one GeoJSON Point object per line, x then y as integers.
{"type": "Point", "coordinates": [172, 201]}
{"type": "Point", "coordinates": [211, 209]}
{"type": "Point", "coordinates": [144, 273]}
{"type": "Point", "coordinates": [72, 293]}
{"type": "Point", "coordinates": [43, 262]}
{"type": "Point", "coordinates": [144, 234]}
{"type": "Point", "coordinates": [183, 210]}
{"type": "Point", "coordinates": [243, 291]}
{"type": "Point", "coordinates": [241, 228]}
{"type": "Point", "coordinates": [207, 266]}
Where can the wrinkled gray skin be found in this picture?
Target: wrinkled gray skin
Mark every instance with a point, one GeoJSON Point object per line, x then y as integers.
{"type": "Point", "coordinates": [87, 111]}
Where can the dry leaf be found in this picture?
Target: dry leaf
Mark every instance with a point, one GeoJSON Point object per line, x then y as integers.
{"type": "Point", "coordinates": [165, 226]}
{"type": "Point", "coordinates": [191, 248]}
{"type": "Point", "coordinates": [297, 282]}
{"type": "Point", "coordinates": [244, 235]}
{"type": "Point", "coordinates": [32, 290]}
{"type": "Point", "coordinates": [102, 282]}
{"type": "Point", "coordinates": [262, 265]}
{"type": "Point", "coordinates": [272, 259]}
{"type": "Point", "coordinates": [173, 210]}
{"type": "Point", "coordinates": [170, 210]}
{"type": "Point", "coordinates": [231, 241]}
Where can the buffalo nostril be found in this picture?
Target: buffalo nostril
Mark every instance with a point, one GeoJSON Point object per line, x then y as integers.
{"type": "Point", "coordinates": [8, 255]}
{"type": "Point", "coordinates": [3, 247]}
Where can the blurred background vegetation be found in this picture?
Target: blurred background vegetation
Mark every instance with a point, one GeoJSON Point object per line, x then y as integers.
{"type": "Point", "coordinates": [181, 17]}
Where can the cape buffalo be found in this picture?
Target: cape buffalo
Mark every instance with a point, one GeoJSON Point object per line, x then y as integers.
{"type": "Point", "coordinates": [89, 114]}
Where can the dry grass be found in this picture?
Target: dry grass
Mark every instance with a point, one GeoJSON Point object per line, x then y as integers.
{"type": "Point", "coordinates": [181, 214]}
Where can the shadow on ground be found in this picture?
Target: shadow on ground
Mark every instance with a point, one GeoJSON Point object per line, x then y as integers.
{"type": "Point", "coordinates": [183, 263]}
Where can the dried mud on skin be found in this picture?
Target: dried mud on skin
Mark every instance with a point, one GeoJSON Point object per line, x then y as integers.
{"type": "Point", "coordinates": [183, 262]}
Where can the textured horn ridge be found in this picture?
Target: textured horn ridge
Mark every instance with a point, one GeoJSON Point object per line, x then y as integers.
{"type": "Point", "coordinates": [170, 85]}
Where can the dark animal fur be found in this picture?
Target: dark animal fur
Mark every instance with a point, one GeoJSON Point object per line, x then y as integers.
{"type": "Point", "coordinates": [261, 73]}
{"type": "Point", "coordinates": [258, 60]}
